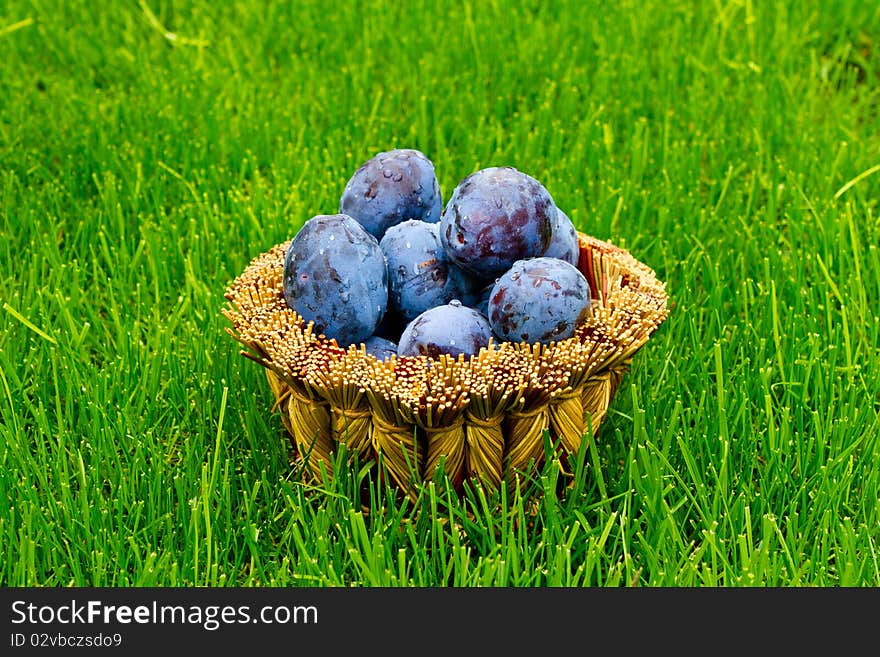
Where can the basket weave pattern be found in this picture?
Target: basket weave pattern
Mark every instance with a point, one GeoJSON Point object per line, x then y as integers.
{"type": "Point", "coordinates": [480, 418]}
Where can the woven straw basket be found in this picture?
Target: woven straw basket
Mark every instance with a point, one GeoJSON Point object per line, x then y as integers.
{"type": "Point", "coordinates": [480, 418]}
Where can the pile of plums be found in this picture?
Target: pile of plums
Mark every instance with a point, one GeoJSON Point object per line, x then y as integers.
{"type": "Point", "coordinates": [400, 273]}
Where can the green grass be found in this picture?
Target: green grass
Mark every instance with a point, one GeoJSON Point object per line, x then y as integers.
{"type": "Point", "coordinates": [149, 150]}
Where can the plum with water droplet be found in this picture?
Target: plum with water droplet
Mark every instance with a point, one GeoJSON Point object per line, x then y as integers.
{"type": "Point", "coordinates": [420, 274]}
{"type": "Point", "coordinates": [539, 300]}
{"type": "Point", "coordinates": [495, 217]}
{"type": "Point", "coordinates": [392, 187]}
{"type": "Point", "coordinates": [335, 275]}
{"type": "Point", "coordinates": [448, 329]}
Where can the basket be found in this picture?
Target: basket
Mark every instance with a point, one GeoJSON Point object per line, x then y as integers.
{"type": "Point", "coordinates": [479, 418]}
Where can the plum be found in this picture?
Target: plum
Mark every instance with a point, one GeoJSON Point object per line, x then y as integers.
{"type": "Point", "coordinates": [449, 329]}
{"type": "Point", "coordinates": [392, 187]}
{"type": "Point", "coordinates": [564, 243]}
{"type": "Point", "coordinates": [539, 300]}
{"type": "Point", "coordinates": [495, 217]}
{"type": "Point", "coordinates": [335, 275]}
{"type": "Point", "coordinates": [380, 348]}
{"type": "Point", "coordinates": [420, 274]}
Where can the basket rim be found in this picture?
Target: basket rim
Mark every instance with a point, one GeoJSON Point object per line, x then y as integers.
{"type": "Point", "coordinates": [628, 304]}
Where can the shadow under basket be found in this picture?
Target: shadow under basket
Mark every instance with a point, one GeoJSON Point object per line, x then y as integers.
{"type": "Point", "coordinates": [480, 418]}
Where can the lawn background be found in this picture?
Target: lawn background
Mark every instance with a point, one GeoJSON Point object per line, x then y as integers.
{"type": "Point", "coordinates": [149, 150]}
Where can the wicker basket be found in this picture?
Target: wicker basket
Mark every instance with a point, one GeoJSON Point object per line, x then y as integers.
{"type": "Point", "coordinates": [480, 418]}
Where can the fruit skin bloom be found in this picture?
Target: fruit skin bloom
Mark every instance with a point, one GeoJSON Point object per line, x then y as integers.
{"type": "Point", "coordinates": [335, 275]}
{"type": "Point", "coordinates": [392, 187]}
{"type": "Point", "coordinates": [450, 329]}
{"type": "Point", "coordinates": [539, 300]}
{"type": "Point", "coordinates": [495, 217]}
